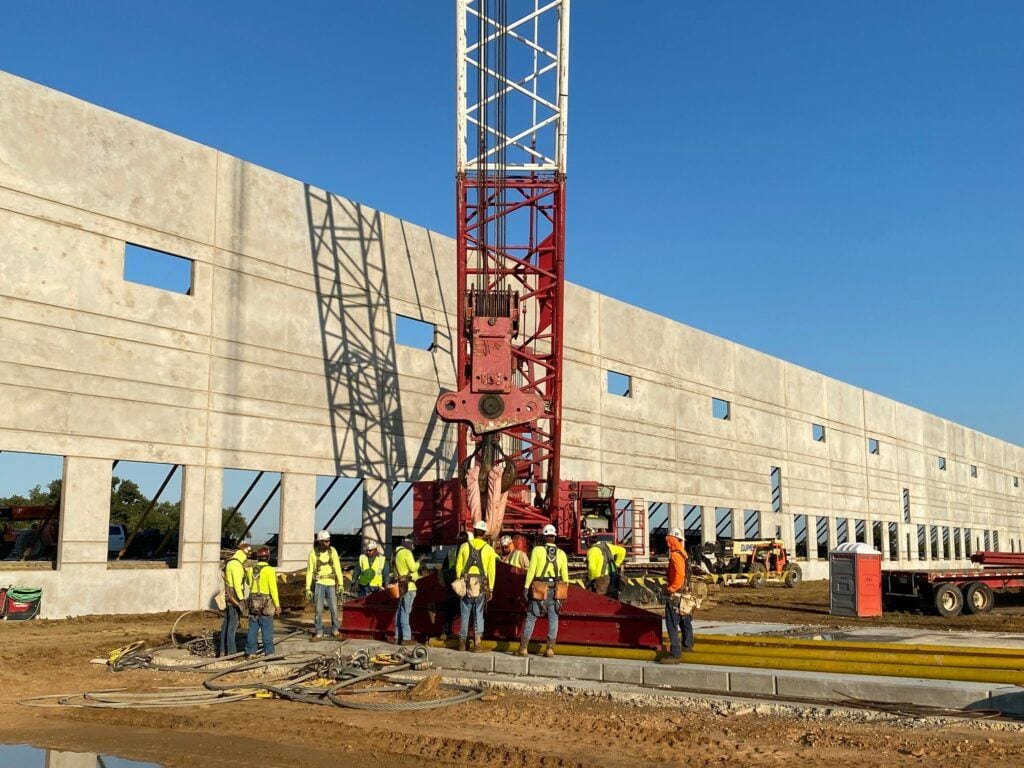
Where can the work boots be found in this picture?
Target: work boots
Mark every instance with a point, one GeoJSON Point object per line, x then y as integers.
{"type": "Point", "coordinates": [524, 649]}
{"type": "Point", "coordinates": [549, 652]}
{"type": "Point", "coordinates": [477, 648]}
{"type": "Point", "coordinates": [462, 644]}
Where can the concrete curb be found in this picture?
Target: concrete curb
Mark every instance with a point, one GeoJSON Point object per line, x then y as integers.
{"type": "Point", "coordinates": [781, 685]}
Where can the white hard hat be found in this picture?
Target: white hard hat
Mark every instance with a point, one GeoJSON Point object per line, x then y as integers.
{"type": "Point", "coordinates": [372, 545]}
{"type": "Point", "coordinates": [549, 530]}
{"type": "Point", "coordinates": [676, 534]}
{"type": "Point", "coordinates": [480, 525]}
{"type": "Point", "coordinates": [506, 540]}
{"type": "Point", "coordinates": [323, 536]}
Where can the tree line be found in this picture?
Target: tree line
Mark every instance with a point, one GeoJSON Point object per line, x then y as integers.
{"type": "Point", "coordinates": [127, 506]}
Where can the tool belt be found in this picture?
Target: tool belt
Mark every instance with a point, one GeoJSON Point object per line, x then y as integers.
{"type": "Point", "coordinates": [682, 603]}
{"type": "Point", "coordinates": [472, 585]}
{"type": "Point", "coordinates": [539, 589]}
{"type": "Point", "coordinates": [261, 605]}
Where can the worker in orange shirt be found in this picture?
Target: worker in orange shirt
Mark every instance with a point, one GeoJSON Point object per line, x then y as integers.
{"type": "Point", "coordinates": [678, 602]}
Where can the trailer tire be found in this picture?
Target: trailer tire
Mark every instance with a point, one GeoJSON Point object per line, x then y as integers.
{"type": "Point", "coordinates": [758, 575]}
{"type": "Point", "coordinates": [793, 576]}
{"type": "Point", "coordinates": [978, 598]}
{"type": "Point", "coordinates": [949, 600]}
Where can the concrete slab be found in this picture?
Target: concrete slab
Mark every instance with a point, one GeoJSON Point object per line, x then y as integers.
{"type": "Point", "coordinates": [1008, 699]}
{"type": "Point", "coordinates": [631, 673]}
{"type": "Point", "coordinates": [567, 667]}
{"type": "Point", "coordinates": [505, 664]}
{"type": "Point", "coordinates": [704, 678]}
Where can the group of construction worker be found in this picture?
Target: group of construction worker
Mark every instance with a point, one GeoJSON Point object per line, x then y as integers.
{"type": "Point", "coordinates": [469, 574]}
{"type": "Point", "coordinates": [250, 589]}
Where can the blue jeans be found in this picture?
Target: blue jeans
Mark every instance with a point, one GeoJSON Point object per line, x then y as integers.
{"type": "Point", "coordinates": [538, 608]}
{"type": "Point", "coordinates": [467, 607]}
{"type": "Point", "coordinates": [678, 624]}
{"type": "Point", "coordinates": [402, 629]}
{"type": "Point", "coordinates": [265, 625]}
{"type": "Point", "coordinates": [325, 593]}
{"type": "Point", "coordinates": [366, 589]}
{"type": "Point", "coordinates": [228, 630]}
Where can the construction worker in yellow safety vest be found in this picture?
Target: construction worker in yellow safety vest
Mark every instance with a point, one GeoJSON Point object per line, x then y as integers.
{"type": "Point", "coordinates": [371, 570]}
{"type": "Point", "coordinates": [512, 555]}
{"type": "Point", "coordinates": [264, 604]}
{"type": "Point", "coordinates": [475, 565]}
{"type": "Point", "coordinates": [604, 567]}
{"type": "Point", "coordinates": [548, 572]}
{"type": "Point", "coordinates": [235, 593]}
{"type": "Point", "coordinates": [323, 583]}
{"type": "Point", "coordinates": [406, 571]}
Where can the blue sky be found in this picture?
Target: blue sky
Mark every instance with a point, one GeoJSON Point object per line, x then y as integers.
{"type": "Point", "coordinates": [838, 184]}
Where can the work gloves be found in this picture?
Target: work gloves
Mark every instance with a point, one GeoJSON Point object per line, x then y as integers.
{"type": "Point", "coordinates": [309, 596]}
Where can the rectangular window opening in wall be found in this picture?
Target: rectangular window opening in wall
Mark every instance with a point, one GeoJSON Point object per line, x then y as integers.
{"type": "Point", "coordinates": [659, 513]}
{"type": "Point", "coordinates": [922, 543]}
{"type": "Point", "coordinates": [751, 524]}
{"type": "Point", "coordinates": [800, 536]}
{"type": "Point", "coordinates": [942, 463]}
{"type": "Point", "coordinates": [876, 536]}
{"type": "Point", "coordinates": [338, 508]}
{"type": "Point", "coordinates": [906, 505]}
{"type": "Point", "coordinates": [818, 433]}
{"type": "Point", "coordinates": [721, 409]}
{"type": "Point", "coordinates": [894, 541]}
{"type": "Point", "coordinates": [988, 540]}
{"type": "Point", "coordinates": [958, 551]}
{"type": "Point", "coordinates": [775, 476]}
{"type": "Point", "coordinates": [158, 269]}
{"type": "Point", "coordinates": [692, 523]}
{"type": "Point", "coordinates": [1016, 482]}
{"type": "Point", "coordinates": [821, 538]}
{"type": "Point", "coordinates": [251, 509]}
{"type": "Point", "coordinates": [933, 536]}
{"type": "Point", "coordinates": [974, 470]}
{"type": "Point", "coordinates": [723, 523]}
{"type": "Point", "coordinates": [31, 509]}
{"type": "Point", "coordinates": [946, 553]}
{"type": "Point", "coordinates": [968, 541]}
{"type": "Point", "coordinates": [418, 334]}
{"type": "Point", "coordinates": [873, 448]}
{"type": "Point", "coordinates": [842, 530]}
{"type": "Point", "coordinates": [995, 541]}
{"type": "Point", "coordinates": [860, 531]}
{"type": "Point", "coordinates": [145, 514]}
{"type": "Point", "coordinates": [619, 384]}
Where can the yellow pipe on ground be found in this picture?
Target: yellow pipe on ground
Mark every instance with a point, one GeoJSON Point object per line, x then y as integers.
{"type": "Point", "coordinates": [854, 645]}
{"type": "Point", "coordinates": [799, 662]}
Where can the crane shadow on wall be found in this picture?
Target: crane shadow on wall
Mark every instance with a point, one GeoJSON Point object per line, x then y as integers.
{"type": "Point", "coordinates": [357, 329]}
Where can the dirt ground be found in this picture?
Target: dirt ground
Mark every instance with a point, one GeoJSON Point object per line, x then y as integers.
{"type": "Point", "coordinates": [542, 731]}
{"type": "Point", "coordinates": [808, 604]}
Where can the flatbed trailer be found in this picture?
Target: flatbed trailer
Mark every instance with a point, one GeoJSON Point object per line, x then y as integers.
{"type": "Point", "coordinates": [949, 593]}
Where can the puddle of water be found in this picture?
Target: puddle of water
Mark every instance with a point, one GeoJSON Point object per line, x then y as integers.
{"type": "Point", "coordinates": [21, 756]}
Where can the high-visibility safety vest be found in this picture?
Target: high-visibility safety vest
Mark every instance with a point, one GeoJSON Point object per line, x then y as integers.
{"type": "Point", "coordinates": [235, 577]}
{"type": "Point", "coordinates": [406, 567]}
{"type": "Point", "coordinates": [464, 565]}
{"type": "Point", "coordinates": [604, 559]}
{"type": "Point", "coordinates": [517, 559]}
{"type": "Point", "coordinates": [323, 567]}
{"type": "Point", "coordinates": [547, 562]}
{"type": "Point", "coordinates": [371, 572]}
{"type": "Point", "coordinates": [264, 582]}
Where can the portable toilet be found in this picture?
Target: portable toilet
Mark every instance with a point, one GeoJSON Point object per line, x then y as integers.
{"type": "Point", "coordinates": [855, 580]}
